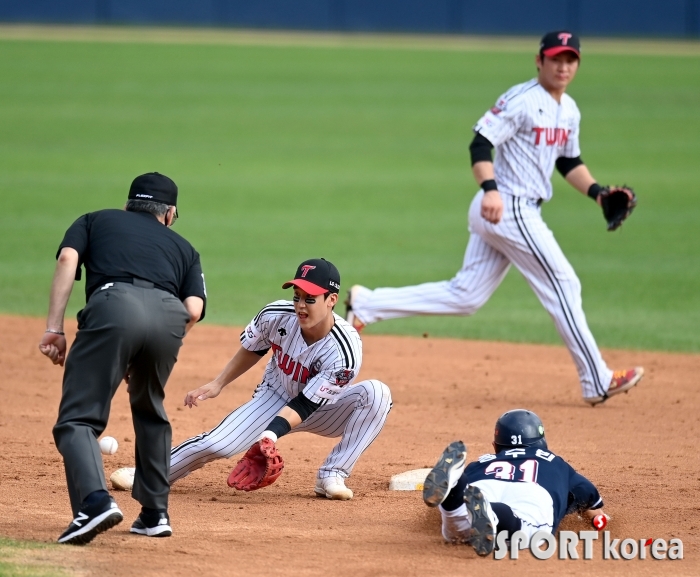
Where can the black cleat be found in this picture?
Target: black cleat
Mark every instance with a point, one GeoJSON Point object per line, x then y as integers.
{"type": "Point", "coordinates": [483, 519]}
{"type": "Point", "coordinates": [445, 474]}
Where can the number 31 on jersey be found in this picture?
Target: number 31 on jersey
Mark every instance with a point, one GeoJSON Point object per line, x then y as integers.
{"type": "Point", "coordinates": [526, 472]}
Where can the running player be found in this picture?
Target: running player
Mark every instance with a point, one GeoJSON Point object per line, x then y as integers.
{"type": "Point", "coordinates": [534, 127]}
{"type": "Point", "coordinates": [307, 385]}
{"type": "Point", "coordinates": [522, 487]}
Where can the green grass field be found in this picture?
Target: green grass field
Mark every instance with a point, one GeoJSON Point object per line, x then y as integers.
{"type": "Point", "coordinates": [29, 559]}
{"type": "Point", "coordinates": [358, 154]}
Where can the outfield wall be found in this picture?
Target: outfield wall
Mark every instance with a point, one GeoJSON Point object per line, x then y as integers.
{"type": "Point", "coordinates": [670, 18]}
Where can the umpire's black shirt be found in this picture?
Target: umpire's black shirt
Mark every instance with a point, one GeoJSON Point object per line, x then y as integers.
{"type": "Point", "coordinates": [116, 245]}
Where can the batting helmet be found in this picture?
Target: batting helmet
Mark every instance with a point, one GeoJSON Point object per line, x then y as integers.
{"type": "Point", "coordinates": [519, 428]}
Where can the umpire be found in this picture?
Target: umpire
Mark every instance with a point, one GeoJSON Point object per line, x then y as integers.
{"type": "Point", "coordinates": [144, 291]}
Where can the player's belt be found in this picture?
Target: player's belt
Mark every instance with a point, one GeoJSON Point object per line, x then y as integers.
{"type": "Point", "coordinates": [137, 282]}
{"type": "Point", "coordinates": [134, 281]}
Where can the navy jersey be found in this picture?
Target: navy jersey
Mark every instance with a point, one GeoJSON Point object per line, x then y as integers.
{"type": "Point", "coordinates": [544, 481]}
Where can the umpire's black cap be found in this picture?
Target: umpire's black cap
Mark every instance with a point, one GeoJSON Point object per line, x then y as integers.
{"type": "Point", "coordinates": [316, 276]}
{"type": "Point", "coordinates": [559, 41]}
{"type": "Point", "coordinates": [154, 187]}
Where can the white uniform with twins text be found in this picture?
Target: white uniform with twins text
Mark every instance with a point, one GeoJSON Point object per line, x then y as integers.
{"type": "Point", "coordinates": [529, 130]}
{"type": "Point", "coordinates": [323, 371]}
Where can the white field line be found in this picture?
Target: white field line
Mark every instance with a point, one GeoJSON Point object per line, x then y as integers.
{"type": "Point", "coordinates": [221, 36]}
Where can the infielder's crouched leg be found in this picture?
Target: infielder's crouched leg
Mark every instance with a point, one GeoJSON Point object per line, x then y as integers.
{"type": "Point", "coordinates": [358, 415]}
{"type": "Point", "coordinates": [235, 434]}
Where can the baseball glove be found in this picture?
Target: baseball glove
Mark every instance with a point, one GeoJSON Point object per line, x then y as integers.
{"type": "Point", "coordinates": [259, 467]}
{"type": "Point", "coordinates": [618, 202]}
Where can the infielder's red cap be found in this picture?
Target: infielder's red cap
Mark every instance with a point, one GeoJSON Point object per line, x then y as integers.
{"type": "Point", "coordinates": [554, 43]}
{"type": "Point", "coordinates": [316, 276]}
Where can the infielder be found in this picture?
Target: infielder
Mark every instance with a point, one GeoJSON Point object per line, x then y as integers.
{"type": "Point", "coordinates": [534, 127]}
{"type": "Point", "coordinates": [523, 486]}
{"type": "Point", "coordinates": [144, 291]}
{"type": "Point", "coordinates": [307, 386]}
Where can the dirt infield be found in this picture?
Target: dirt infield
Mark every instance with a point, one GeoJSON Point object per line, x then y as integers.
{"type": "Point", "coordinates": [640, 449]}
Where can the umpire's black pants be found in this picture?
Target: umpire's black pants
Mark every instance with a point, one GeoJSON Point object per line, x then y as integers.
{"type": "Point", "coordinates": [124, 328]}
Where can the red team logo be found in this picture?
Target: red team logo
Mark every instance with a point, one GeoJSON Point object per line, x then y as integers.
{"type": "Point", "coordinates": [564, 37]}
{"type": "Point", "coordinates": [305, 269]}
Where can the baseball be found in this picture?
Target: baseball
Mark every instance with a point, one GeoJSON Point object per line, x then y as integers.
{"type": "Point", "coordinates": [108, 445]}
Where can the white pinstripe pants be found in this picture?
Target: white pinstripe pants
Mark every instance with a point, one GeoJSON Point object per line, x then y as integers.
{"type": "Point", "coordinates": [523, 239]}
{"type": "Point", "coordinates": [357, 417]}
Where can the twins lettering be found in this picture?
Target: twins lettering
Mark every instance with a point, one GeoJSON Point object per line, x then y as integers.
{"type": "Point", "coordinates": [552, 136]}
{"type": "Point", "coordinates": [289, 367]}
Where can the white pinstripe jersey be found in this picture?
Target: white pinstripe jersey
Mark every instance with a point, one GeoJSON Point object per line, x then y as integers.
{"type": "Point", "coordinates": [320, 370]}
{"type": "Point", "coordinates": [530, 130]}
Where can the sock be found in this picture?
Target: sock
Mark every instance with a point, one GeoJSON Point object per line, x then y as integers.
{"type": "Point", "coordinates": [455, 523]}
{"type": "Point", "coordinates": [94, 498]}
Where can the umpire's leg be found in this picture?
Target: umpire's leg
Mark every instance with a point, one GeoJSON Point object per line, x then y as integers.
{"type": "Point", "coordinates": [95, 366]}
{"type": "Point", "coordinates": [166, 318]}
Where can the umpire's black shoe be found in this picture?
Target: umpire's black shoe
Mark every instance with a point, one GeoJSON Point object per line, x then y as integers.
{"type": "Point", "coordinates": [152, 524]}
{"type": "Point", "coordinates": [445, 474]}
{"type": "Point", "coordinates": [92, 520]}
{"type": "Point", "coordinates": [483, 520]}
